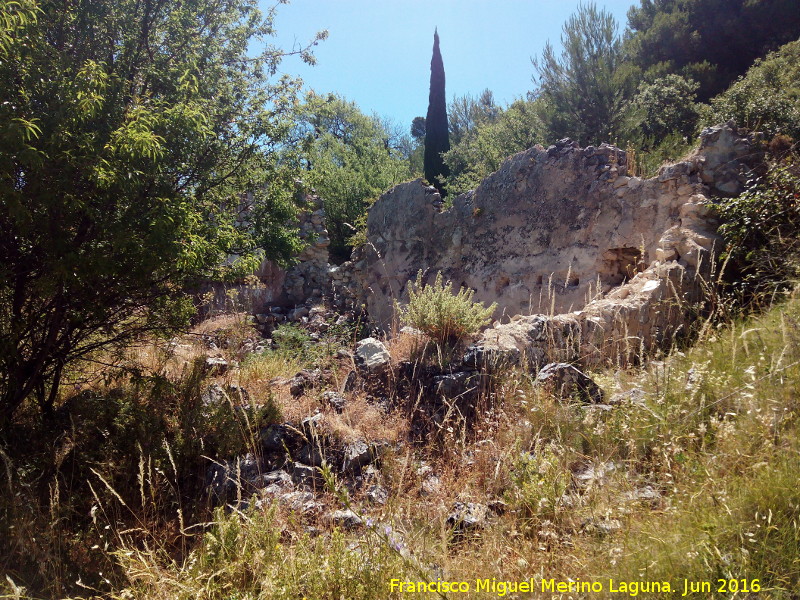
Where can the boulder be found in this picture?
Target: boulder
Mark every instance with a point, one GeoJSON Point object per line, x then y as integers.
{"type": "Point", "coordinates": [372, 355]}
{"type": "Point", "coordinates": [358, 455]}
{"type": "Point", "coordinates": [335, 400]}
{"type": "Point", "coordinates": [377, 494]}
{"type": "Point", "coordinates": [305, 475]}
{"type": "Point", "coordinates": [304, 380]}
{"type": "Point", "coordinates": [215, 366]}
{"type": "Point", "coordinates": [566, 382]}
{"type": "Point", "coordinates": [463, 385]}
{"type": "Point", "coordinates": [273, 482]}
{"type": "Point", "coordinates": [216, 394]}
{"type": "Point", "coordinates": [310, 455]}
{"type": "Point", "coordinates": [223, 478]}
{"type": "Point", "coordinates": [467, 517]}
{"type": "Point", "coordinates": [300, 501]}
{"type": "Point", "coordinates": [346, 519]}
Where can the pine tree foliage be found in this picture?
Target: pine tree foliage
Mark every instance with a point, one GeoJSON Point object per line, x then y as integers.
{"type": "Point", "coordinates": [710, 41]}
{"type": "Point", "coordinates": [583, 90]}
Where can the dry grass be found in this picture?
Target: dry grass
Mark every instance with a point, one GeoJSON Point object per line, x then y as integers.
{"type": "Point", "coordinates": [404, 346]}
{"type": "Point", "coordinates": [692, 475]}
{"type": "Point", "coordinates": [362, 419]}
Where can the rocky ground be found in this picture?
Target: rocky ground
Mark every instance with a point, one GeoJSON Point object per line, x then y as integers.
{"type": "Point", "coordinates": [431, 400]}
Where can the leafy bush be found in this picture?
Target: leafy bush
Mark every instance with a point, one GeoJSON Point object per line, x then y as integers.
{"type": "Point", "coordinates": [483, 147]}
{"type": "Point", "coordinates": [443, 316]}
{"type": "Point", "coordinates": [760, 228]}
{"type": "Point", "coordinates": [540, 481]}
{"type": "Point", "coordinates": [352, 158]}
{"type": "Point", "coordinates": [664, 107]}
{"type": "Point", "coordinates": [767, 98]}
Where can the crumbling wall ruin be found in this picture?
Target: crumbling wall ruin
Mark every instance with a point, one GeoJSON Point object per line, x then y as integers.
{"type": "Point", "coordinates": [617, 264]}
{"type": "Point", "coordinates": [308, 279]}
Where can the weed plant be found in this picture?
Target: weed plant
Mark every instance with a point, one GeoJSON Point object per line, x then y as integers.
{"type": "Point", "coordinates": [444, 317]}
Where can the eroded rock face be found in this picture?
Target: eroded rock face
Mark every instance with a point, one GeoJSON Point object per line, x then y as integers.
{"type": "Point", "coordinates": [615, 262]}
{"type": "Point", "coordinates": [629, 322]}
{"type": "Point", "coordinates": [548, 233]}
{"type": "Point", "coordinates": [725, 158]}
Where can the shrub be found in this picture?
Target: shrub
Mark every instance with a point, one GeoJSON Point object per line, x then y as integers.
{"type": "Point", "coordinates": [646, 158]}
{"type": "Point", "coordinates": [443, 316]}
{"type": "Point", "coordinates": [760, 229]}
{"type": "Point", "coordinates": [767, 98]}
{"type": "Point", "coordinates": [291, 338]}
{"type": "Point", "coordinates": [666, 106]}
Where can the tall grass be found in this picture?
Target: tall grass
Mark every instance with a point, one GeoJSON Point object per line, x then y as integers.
{"type": "Point", "coordinates": [692, 474]}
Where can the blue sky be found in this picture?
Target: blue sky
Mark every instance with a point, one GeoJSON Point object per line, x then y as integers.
{"type": "Point", "coordinates": [378, 51]}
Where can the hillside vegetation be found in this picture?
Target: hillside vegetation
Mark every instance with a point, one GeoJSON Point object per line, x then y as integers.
{"type": "Point", "coordinates": [691, 474]}
{"type": "Point", "coordinates": [145, 151]}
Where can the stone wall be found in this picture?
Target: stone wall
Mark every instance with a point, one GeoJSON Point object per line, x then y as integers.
{"type": "Point", "coordinates": [309, 280]}
{"type": "Point", "coordinates": [265, 289]}
{"type": "Point", "coordinates": [562, 230]}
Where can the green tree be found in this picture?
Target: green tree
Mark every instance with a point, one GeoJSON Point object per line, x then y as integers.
{"type": "Point", "coordinates": [350, 158]}
{"type": "Point", "coordinates": [665, 107]}
{"type": "Point", "coordinates": [418, 128]}
{"type": "Point", "coordinates": [767, 98]}
{"type": "Point", "coordinates": [416, 158]}
{"type": "Point", "coordinates": [584, 89]}
{"type": "Point", "coordinates": [437, 140]}
{"type": "Point", "coordinates": [488, 143]}
{"type": "Point", "coordinates": [466, 113]}
{"type": "Point", "coordinates": [133, 133]}
{"type": "Point", "coordinates": [710, 41]}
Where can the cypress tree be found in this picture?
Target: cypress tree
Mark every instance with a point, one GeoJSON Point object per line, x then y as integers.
{"type": "Point", "coordinates": [437, 138]}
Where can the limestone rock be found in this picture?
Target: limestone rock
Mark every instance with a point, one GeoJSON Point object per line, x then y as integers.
{"type": "Point", "coordinates": [372, 355]}
{"type": "Point", "coordinates": [216, 394]}
{"type": "Point", "coordinates": [358, 455]}
{"type": "Point", "coordinates": [310, 455]}
{"type": "Point", "coordinates": [566, 382]}
{"type": "Point", "coordinates": [467, 517]}
{"type": "Point", "coordinates": [300, 501]}
{"type": "Point", "coordinates": [377, 494]}
{"type": "Point", "coordinates": [311, 427]}
{"type": "Point", "coordinates": [534, 340]}
{"type": "Point", "coordinates": [305, 475]}
{"type": "Point", "coordinates": [222, 478]}
{"type": "Point", "coordinates": [273, 482]}
{"type": "Point", "coordinates": [345, 518]}
{"type": "Point", "coordinates": [276, 438]}
{"type": "Point", "coordinates": [725, 158]}
{"type": "Point", "coordinates": [335, 400]}
{"type": "Point", "coordinates": [561, 231]}
{"type": "Point", "coordinates": [304, 380]}
{"type": "Point", "coordinates": [464, 385]}
{"type": "Point", "coordinates": [215, 366]}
